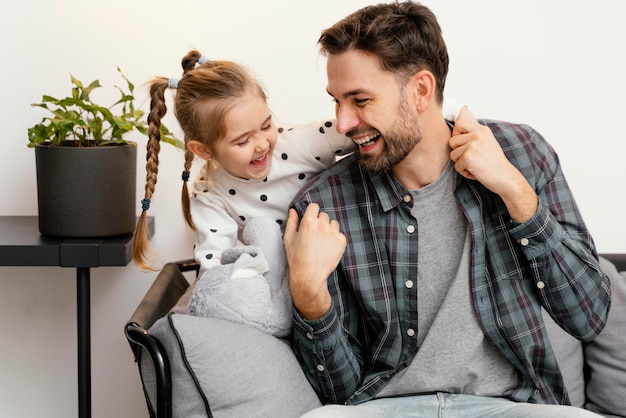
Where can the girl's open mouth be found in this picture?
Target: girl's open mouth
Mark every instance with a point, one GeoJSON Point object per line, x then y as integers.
{"type": "Point", "coordinates": [259, 162]}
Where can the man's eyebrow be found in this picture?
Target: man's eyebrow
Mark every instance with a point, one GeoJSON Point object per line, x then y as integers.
{"type": "Point", "coordinates": [349, 93]}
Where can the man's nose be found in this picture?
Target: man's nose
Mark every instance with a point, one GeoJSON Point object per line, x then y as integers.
{"type": "Point", "coordinates": [347, 119]}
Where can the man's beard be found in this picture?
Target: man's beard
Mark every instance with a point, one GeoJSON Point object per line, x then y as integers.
{"type": "Point", "coordinates": [402, 137]}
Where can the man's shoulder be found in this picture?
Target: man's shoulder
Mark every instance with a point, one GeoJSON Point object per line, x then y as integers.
{"type": "Point", "coordinates": [512, 135]}
{"type": "Point", "coordinates": [506, 129]}
{"type": "Point", "coordinates": [328, 181]}
{"type": "Point", "coordinates": [525, 147]}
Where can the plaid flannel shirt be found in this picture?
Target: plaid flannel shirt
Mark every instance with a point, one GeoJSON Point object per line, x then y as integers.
{"type": "Point", "coordinates": [551, 261]}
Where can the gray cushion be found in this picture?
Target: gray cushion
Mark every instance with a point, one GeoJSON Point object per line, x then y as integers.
{"type": "Point", "coordinates": [569, 355]}
{"type": "Point", "coordinates": [239, 370]}
{"type": "Point", "coordinates": [605, 357]}
{"type": "Point", "coordinates": [595, 372]}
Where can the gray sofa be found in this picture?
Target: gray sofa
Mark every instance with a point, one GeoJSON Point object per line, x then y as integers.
{"type": "Point", "coordinates": [203, 367]}
{"type": "Point", "coordinates": [595, 373]}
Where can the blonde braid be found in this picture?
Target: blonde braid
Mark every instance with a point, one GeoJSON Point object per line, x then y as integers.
{"type": "Point", "coordinates": [189, 157]}
{"type": "Point", "coordinates": [188, 63]}
{"type": "Point", "coordinates": [153, 146]}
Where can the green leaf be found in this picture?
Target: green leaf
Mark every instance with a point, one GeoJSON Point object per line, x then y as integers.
{"type": "Point", "coordinates": [76, 117]}
{"type": "Point", "coordinates": [87, 90]}
{"type": "Point", "coordinates": [76, 81]}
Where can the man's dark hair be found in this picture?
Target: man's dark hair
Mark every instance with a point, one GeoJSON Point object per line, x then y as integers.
{"type": "Point", "coordinates": [405, 36]}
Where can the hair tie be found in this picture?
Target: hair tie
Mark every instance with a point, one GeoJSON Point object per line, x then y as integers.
{"type": "Point", "coordinates": [172, 83]}
{"type": "Point", "coordinates": [202, 59]}
{"type": "Point", "coordinates": [145, 204]}
{"type": "Point", "coordinates": [185, 175]}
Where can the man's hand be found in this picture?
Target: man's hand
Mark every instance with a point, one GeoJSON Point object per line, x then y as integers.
{"type": "Point", "coordinates": [313, 251]}
{"type": "Point", "coordinates": [478, 156]}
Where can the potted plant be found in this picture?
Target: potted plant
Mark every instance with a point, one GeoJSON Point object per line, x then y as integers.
{"type": "Point", "coordinates": [86, 170]}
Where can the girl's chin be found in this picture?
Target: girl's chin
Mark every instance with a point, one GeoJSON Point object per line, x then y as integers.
{"type": "Point", "coordinates": [259, 174]}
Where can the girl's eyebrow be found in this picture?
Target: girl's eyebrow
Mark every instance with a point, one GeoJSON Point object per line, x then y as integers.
{"type": "Point", "coordinates": [237, 138]}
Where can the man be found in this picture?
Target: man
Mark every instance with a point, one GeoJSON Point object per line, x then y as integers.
{"type": "Point", "coordinates": [455, 238]}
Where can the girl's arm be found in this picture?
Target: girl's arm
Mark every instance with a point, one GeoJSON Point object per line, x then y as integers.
{"type": "Point", "coordinates": [216, 230]}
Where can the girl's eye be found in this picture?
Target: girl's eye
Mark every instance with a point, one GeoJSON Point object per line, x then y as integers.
{"type": "Point", "coordinates": [243, 142]}
{"type": "Point", "coordinates": [266, 127]}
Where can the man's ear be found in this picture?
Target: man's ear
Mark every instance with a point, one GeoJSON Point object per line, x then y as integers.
{"type": "Point", "coordinates": [199, 149]}
{"type": "Point", "coordinates": [423, 86]}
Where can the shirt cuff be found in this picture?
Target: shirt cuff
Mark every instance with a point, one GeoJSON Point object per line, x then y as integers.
{"type": "Point", "coordinates": [320, 333]}
{"type": "Point", "coordinates": [539, 234]}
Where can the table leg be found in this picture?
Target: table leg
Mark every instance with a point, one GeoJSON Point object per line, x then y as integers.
{"type": "Point", "coordinates": [84, 341]}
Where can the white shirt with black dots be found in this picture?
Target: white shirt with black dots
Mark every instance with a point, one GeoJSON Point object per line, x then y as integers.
{"type": "Point", "coordinates": [222, 204]}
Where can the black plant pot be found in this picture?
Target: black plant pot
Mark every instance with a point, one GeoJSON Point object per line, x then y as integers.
{"type": "Point", "coordinates": [86, 191]}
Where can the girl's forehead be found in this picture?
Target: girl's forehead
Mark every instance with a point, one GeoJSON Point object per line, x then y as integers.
{"type": "Point", "coordinates": [249, 113]}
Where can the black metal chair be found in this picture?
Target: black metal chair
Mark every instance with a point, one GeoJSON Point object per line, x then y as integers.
{"type": "Point", "coordinates": [169, 285]}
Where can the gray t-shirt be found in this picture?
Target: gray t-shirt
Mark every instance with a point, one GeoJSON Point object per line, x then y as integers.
{"type": "Point", "coordinates": [454, 355]}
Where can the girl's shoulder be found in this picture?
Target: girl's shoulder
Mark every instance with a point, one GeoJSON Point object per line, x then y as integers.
{"type": "Point", "coordinates": [316, 137]}
{"type": "Point", "coordinates": [312, 129]}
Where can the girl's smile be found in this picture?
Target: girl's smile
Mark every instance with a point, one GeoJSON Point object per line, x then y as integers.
{"type": "Point", "coordinates": [247, 148]}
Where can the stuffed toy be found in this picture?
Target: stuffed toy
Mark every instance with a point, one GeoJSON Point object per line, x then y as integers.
{"type": "Point", "coordinates": [251, 286]}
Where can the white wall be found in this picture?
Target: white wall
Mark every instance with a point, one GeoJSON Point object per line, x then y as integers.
{"type": "Point", "coordinates": [557, 65]}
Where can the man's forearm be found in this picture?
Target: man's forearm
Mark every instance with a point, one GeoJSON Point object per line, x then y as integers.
{"type": "Point", "coordinates": [328, 360]}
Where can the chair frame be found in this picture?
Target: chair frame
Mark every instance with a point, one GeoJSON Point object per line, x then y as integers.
{"type": "Point", "coordinates": [165, 291]}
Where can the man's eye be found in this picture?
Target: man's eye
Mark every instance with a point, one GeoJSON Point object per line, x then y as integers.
{"type": "Point", "coordinates": [361, 101]}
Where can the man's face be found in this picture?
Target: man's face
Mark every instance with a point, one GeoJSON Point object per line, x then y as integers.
{"type": "Point", "coordinates": [372, 109]}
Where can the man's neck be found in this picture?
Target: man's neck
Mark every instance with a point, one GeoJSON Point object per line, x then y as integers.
{"type": "Point", "coordinates": [428, 159]}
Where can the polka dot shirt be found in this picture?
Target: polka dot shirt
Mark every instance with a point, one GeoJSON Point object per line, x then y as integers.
{"type": "Point", "coordinates": [221, 204]}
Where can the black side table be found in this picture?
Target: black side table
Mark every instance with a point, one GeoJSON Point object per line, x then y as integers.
{"type": "Point", "coordinates": [21, 244]}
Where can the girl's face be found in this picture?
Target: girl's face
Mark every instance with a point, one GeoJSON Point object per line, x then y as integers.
{"type": "Point", "coordinates": [246, 150]}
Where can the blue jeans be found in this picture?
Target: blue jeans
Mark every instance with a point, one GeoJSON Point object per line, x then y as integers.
{"type": "Point", "coordinates": [446, 405]}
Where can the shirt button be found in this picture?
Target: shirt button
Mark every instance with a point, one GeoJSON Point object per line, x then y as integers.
{"type": "Point", "coordinates": [309, 336]}
{"type": "Point", "coordinates": [410, 229]}
{"type": "Point", "coordinates": [410, 332]}
{"type": "Point", "coordinates": [407, 198]}
{"type": "Point", "coordinates": [320, 368]}
{"type": "Point", "coordinates": [409, 284]}
{"type": "Point", "coordinates": [540, 285]}
{"type": "Point", "coordinates": [524, 241]}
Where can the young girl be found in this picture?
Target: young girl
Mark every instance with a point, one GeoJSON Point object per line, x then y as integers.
{"type": "Point", "coordinates": [253, 170]}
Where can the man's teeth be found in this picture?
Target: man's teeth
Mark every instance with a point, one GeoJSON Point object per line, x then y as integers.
{"type": "Point", "coordinates": [366, 139]}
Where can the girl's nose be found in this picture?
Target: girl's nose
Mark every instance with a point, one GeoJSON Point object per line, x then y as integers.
{"type": "Point", "coordinates": [261, 143]}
